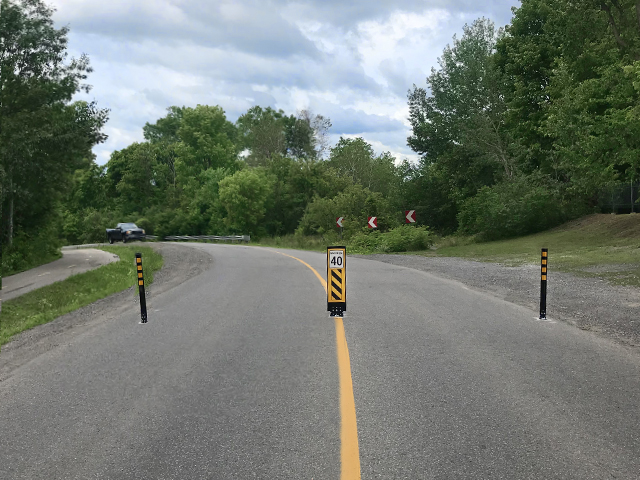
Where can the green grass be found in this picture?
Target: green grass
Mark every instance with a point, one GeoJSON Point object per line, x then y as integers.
{"type": "Point", "coordinates": [605, 246]}
{"type": "Point", "coordinates": [48, 303]}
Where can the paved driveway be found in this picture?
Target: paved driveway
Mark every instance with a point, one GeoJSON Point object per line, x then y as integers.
{"type": "Point", "coordinates": [71, 263]}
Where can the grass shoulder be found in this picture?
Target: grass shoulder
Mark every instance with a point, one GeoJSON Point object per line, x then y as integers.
{"type": "Point", "coordinates": [48, 303]}
{"type": "Point", "coordinates": [600, 245]}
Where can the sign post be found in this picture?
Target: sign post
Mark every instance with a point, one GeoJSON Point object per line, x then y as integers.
{"type": "Point", "coordinates": [336, 280]}
{"type": "Point", "coordinates": [339, 221]}
{"type": "Point", "coordinates": [140, 279]}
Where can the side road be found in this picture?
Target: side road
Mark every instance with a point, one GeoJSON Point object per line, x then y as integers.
{"type": "Point", "coordinates": [71, 263]}
{"type": "Point", "coordinates": [590, 304]}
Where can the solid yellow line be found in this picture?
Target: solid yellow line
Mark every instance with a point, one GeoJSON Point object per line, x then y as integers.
{"type": "Point", "coordinates": [349, 450]}
{"type": "Point", "coordinates": [322, 280]}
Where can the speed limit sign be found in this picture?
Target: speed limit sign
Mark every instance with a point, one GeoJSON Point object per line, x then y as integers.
{"type": "Point", "coordinates": [336, 258]}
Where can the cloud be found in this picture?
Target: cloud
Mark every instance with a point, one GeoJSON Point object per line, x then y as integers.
{"type": "Point", "coordinates": [246, 27]}
{"type": "Point", "coordinates": [350, 61]}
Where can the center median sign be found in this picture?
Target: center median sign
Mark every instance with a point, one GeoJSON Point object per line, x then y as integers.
{"type": "Point", "coordinates": [336, 280]}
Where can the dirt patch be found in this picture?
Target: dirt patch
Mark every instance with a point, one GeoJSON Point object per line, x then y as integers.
{"type": "Point", "coordinates": [588, 303]}
{"type": "Point", "coordinates": [181, 263]}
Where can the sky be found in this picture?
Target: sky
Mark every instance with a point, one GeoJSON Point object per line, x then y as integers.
{"type": "Point", "coordinates": [351, 61]}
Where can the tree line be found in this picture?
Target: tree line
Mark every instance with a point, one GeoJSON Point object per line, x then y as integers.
{"type": "Point", "coordinates": [518, 129]}
{"type": "Point", "coordinates": [522, 128]}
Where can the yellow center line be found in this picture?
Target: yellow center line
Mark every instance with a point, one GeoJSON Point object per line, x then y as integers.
{"type": "Point", "coordinates": [349, 450]}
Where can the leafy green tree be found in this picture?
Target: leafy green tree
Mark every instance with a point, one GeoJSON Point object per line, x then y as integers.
{"type": "Point", "coordinates": [458, 127]}
{"type": "Point", "coordinates": [132, 171]}
{"type": "Point", "coordinates": [592, 96]}
{"type": "Point", "coordinates": [526, 56]}
{"type": "Point", "coordinates": [165, 130]}
{"type": "Point", "coordinates": [245, 196]}
{"type": "Point", "coordinates": [206, 140]}
{"type": "Point", "coordinates": [43, 137]}
{"type": "Point", "coordinates": [297, 182]}
{"type": "Point", "coordinates": [355, 159]}
{"type": "Point", "coordinates": [623, 18]}
{"type": "Point", "coordinates": [266, 133]}
{"type": "Point", "coordinates": [262, 133]}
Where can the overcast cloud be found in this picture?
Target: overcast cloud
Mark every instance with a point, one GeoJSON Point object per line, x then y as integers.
{"type": "Point", "coordinates": [350, 61]}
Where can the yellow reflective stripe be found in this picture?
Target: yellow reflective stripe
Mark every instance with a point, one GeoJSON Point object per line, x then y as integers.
{"type": "Point", "coordinates": [544, 277]}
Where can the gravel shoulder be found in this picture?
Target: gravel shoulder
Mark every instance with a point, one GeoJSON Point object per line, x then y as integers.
{"type": "Point", "coordinates": [181, 262]}
{"type": "Point", "coordinates": [590, 304]}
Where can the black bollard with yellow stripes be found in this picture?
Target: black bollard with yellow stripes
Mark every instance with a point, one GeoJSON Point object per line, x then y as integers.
{"type": "Point", "coordinates": [336, 280]}
{"type": "Point", "coordinates": [143, 300]}
{"type": "Point", "coordinates": [543, 284]}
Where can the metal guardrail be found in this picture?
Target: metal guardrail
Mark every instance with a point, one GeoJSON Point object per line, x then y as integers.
{"type": "Point", "coordinates": [233, 238]}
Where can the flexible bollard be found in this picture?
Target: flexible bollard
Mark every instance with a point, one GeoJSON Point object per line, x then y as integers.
{"type": "Point", "coordinates": [143, 300]}
{"type": "Point", "coordinates": [543, 284]}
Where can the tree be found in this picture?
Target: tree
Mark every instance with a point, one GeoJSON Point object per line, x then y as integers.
{"type": "Point", "coordinates": [526, 55]}
{"type": "Point", "coordinates": [207, 140]}
{"type": "Point", "coordinates": [307, 135]}
{"type": "Point", "coordinates": [355, 203]}
{"type": "Point", "coordinates": [244, 196]}
{"type": "Point", "coordinates": [623, 18]}
{"type": "Point", "coordinates": [458, 127]}
{"type": "Point", "coordinates": [43, 137]}
{"type": "Point", "coordinates": [165, 130]}
{"type": "Point", "coordinates": [356, 160]}
{"type": "Point", "coordinates": [589, 118]}
{"type": "Point", "coordinates": [266, 133]}
{"type": "Point", "coordinates": [262, 133]}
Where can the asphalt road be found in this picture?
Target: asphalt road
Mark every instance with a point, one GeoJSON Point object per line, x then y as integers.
{"type": "Point", "coordinates": [71, 263]}
{"type": "Point", "coordinates": [236, 376]}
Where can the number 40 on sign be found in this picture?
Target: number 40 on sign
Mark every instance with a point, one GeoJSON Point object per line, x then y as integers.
{"type": "Point", "coordinates": [336, 258]}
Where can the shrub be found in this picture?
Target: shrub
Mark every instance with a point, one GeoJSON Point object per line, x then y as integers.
{"type": "Point", "coordinates": [28, 251]}
{"type": "Point", "coordinates": [511, 209]}
{"type": "Point", "coordinates": [404, 238]}
{"type": "Point", "coordinates": [355, 204]}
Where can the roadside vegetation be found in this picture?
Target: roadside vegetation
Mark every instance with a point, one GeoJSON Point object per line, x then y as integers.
{"type": "Point", "coordinates": [518, 129]}
{"type": "Point", "coordinates": [405, 238]}
{"type": "Point", "coordinates": [48, 303]}
{"type": "Point", "coordinates": [605, 246]}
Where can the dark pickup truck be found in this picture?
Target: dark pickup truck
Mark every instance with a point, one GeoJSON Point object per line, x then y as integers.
{"type": "Point", "coordinates": [125, 232]}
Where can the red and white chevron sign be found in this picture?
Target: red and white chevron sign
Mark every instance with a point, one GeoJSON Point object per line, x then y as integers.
{"type": "Point", "coordinates": [339, 221]}
{"type": "Point", "coordinates": [410, 216]}
{"type": "Point", "coordinates": [373, 222]}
